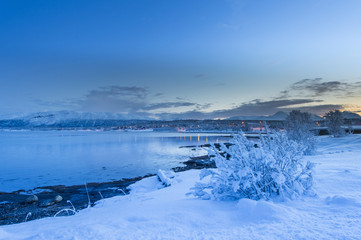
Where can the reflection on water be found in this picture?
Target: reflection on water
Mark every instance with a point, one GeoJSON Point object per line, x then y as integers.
{"type": "Point", "coordinates": [35, 158]}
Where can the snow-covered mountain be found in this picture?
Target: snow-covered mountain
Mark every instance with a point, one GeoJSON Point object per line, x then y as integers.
{"type": "Point", "coordinates": [350, 115]}
{"type": "Point", "coordinates": [66, 119]}
{"type": "Point", "coordinates": [279, 116]}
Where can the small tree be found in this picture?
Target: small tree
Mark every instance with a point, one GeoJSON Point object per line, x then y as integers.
{"type": "Point", "coordinates": [273, 167]}
{"type": "Point", "coordinates": [334, 121]}
{"type": "Point", "coordinates": [299, 128]}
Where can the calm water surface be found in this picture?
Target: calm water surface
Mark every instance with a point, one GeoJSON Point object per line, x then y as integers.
{"type": "Point", "coordinates": [30, 159]}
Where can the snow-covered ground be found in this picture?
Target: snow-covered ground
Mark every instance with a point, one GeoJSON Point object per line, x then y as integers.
{"type": "Point", "coordinates": [151, 212]}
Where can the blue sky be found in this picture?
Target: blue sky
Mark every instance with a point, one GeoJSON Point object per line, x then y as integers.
{"type": "Point", "coordinates": [180, 59]}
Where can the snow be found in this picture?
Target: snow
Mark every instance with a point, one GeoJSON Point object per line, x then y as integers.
{"type": "Point", "coordinates": [166, 180]}
{"type": "Point", "coordinates": [152, 211]}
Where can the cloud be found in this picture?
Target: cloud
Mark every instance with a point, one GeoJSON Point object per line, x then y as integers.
{"type": "Point", "coordinates": [118, 91]}
{"type": "Point", "coordinates": [163, 105]}
{"type": "Point", "coordinates": [155, 106]}
{"type": "Point", "coordinates": [121, 99]}
{"type": "Point", "coordinates": [283, 95]}
{"type": "Point", "coordinates": [184, 115]}
{"type": "Point", "coordinates": [132, 100]}
{"type": "Point", "coordinates": [203, 106]}
{"type": "Point", "coordinates": [316, 87]}
{"type": "Point", "coordinates": [256, 107]}
{"type": "Point", "coordinates": [139, 101]}
{"type": "Point", "coordinates": [310, 91]}
{"type": "Point", "coordinates": [180, 99]}
{"type": "Point", "coordinates": [321, 109]}
{"type": "Point", "coordinates": [259, 107]}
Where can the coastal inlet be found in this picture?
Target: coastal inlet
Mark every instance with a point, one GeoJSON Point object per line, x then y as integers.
{"type": "Point", "coordinates": [31, 159]}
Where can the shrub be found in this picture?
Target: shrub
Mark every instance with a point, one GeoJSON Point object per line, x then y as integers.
{"type": "Point", "coordinates": [299, 128]}
{"type": "Point", "coordinates": [334, 121]}
{"type": "Point", "coordinates": [273, 167]}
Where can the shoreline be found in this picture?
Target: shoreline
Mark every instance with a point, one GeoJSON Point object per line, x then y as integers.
{"type": "Point", "coordinates": [14, 208]}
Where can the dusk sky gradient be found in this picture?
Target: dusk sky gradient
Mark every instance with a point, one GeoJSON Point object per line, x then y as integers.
{"type": "Point", "coordinates": [180, 59]}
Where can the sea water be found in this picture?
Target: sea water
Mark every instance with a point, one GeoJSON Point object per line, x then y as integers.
{"type": "Point", "coordinates": [30, 159]}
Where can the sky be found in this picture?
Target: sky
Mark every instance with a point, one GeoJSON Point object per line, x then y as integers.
{"type": "Point", "coordinates": [180, 59]}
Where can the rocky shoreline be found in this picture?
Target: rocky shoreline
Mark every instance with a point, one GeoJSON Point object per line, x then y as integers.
{"type": "Point", "coordinates": [60, 200]}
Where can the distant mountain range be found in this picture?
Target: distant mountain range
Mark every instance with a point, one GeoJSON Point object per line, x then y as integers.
{"type": "Point", "coordinates": [72, 119]}
{"type": "Point", "coordinates": [65, 119]}
{"type": "Point", "coordinates": [350, 115]}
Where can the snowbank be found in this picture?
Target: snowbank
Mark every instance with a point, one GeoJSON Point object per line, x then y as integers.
{"type": "Point", "coordinates": [151, 211]}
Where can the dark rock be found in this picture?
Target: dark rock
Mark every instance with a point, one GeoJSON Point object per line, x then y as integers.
{"type": "Point", "coordinates": [47, 203]}
{"type": "Point", "coordinates": [16, 211]}
{"type": "Point", "coordinates": [58, 198]}
{"type": "Point", "coordinates": [31, 199]}
{"type": "Point", "coordinates": [58, 188]}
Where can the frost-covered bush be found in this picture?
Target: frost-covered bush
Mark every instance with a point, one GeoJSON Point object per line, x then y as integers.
{"type": "Point", "coordinates": [273, 167]}
{"type": "Point", "coordinates": [299, 128]}
{"type": "Point", "coordinates": [334, 121]}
